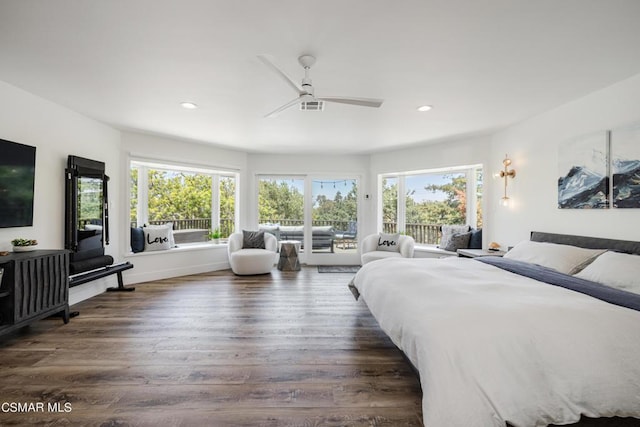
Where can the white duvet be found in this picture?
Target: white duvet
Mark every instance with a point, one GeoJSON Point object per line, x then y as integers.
{"type": "Point", "coordinates": [494, 347]}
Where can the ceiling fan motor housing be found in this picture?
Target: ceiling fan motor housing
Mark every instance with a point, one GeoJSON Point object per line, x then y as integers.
{"type": "Point", "coordinates": [312, 105]}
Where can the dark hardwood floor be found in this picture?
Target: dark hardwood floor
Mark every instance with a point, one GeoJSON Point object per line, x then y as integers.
{"type": "Point", "coordinates": [290, 348]}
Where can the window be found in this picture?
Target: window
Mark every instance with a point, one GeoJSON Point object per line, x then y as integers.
{"type": "Point", "coordinates": [418, 203]}
{"type": "Point", "coordinates": [195, 200]}
{"type": "Point", "coordinates": [281, 201]}
{"type": "Point", "coordinates": [390, 204]}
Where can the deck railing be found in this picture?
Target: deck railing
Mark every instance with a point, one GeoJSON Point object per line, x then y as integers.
{"type": "Point", "coordinates": [226, 224]}
{"type": "Point", "coordinates": [337, 225]}
{"type": "Point", "coordinates": [422, 233]}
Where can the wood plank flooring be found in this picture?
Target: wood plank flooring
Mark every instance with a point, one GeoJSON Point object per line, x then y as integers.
{"type": "Point", "coordinates": [286, 349]}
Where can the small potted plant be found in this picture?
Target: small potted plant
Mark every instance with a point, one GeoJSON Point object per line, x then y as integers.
{"type": "Point", "coordinates": [215, 235]}
{"type": "Point", "coordinates": [24, 245]}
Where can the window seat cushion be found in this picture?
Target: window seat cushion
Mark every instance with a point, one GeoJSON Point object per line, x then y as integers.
{"type": "Point", "coordinates": [431, 251]}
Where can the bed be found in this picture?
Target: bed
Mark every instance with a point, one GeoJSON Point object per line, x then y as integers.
{"type": "Point", "coordinates": [494, 347]}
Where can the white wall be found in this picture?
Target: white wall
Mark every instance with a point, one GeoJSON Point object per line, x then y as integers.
{"type": "Point", "coordinates": [533, 146]}
{"type": "Point", "coordinates": [57, 132]}
{"type": "Point", "coordinates": [164, 264]}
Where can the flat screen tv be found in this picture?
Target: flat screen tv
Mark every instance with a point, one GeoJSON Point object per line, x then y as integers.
{"type": "Point", "coordinates": [17, 178]}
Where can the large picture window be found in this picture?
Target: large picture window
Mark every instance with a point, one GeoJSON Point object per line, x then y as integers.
{"type": "Point", "coordinates": [418, 203]}
{"type": "Point", "coordinates": [197, 201]}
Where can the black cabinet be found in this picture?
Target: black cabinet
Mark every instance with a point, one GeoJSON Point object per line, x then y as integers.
{"type": "Point", "coordinates": [34, 285]}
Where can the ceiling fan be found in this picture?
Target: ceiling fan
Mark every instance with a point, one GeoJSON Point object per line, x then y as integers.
{"type": "Point", "coordinates": [306, 97]}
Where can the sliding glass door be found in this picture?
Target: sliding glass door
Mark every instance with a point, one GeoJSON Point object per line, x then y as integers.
{"type": "Point", "coordinates": [319, 211]}
{"type": "Point", "coordinates": [334, 213]}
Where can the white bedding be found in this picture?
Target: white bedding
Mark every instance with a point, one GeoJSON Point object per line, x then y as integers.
{"type": "Point", "coordinates": [492, 346]}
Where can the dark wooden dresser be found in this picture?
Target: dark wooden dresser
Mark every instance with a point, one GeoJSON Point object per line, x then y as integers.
{"type": "Point", "coordinates": [34, 285]}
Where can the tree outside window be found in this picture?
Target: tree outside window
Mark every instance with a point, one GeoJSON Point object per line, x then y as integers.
{"type": "Point", "coordinates": [431, 200]}
{"type": "Point", "coordinates": [190, 199]}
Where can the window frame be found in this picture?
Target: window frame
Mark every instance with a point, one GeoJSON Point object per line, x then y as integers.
{"type": "Point", "coordinates": [471, 172]}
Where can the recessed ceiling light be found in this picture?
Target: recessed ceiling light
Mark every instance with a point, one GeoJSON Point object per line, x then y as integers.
{"type": "Point", "coordinates": [188, 105]}
{"type": "Point", "coordinates": [425, 108]}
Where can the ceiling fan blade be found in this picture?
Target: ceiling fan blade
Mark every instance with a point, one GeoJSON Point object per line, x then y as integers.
{"type": "Point", "coordinates": [284, 107]}
{"type": "Point", "coordinates": [363, 102]}
{"type": "Point", "coordinates": [266, 61]}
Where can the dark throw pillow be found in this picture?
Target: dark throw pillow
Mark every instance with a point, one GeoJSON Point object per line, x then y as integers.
{"type": "Point", "coordinates": [253, 239]}
{"type": "Point", "coordinates": [475, 241]}
{"type": "Point", "coordinates": [137, 239]}
{"type": "Point", "coordinates": [458, 241]}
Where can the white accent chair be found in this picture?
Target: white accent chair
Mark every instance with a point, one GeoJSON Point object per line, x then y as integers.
{"type": "Point", "coordinates": [252, 261]}
{"type": "Point", "coordinates": [370, 253]}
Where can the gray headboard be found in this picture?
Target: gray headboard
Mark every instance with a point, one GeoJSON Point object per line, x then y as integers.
{"type": "Point", "coordinates": [587, 242]}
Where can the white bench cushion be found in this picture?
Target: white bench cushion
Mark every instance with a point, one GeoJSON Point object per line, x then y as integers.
{"type": "Point", "coordinates": [375, 255]}
{"type": "Point", "coordinates": [431, 251]}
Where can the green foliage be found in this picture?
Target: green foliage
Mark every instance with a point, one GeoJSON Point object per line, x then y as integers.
{"type": "Point", "coordinates": [133, 201]}
{"type": "Point", "coordinates": [451, 210]}
{"type": "Point", "coordinates": [227, 205]}
{"type": "Point", "coordinates": [278, 200]}
{"type": "Point", "coordinates": [178, 195]}
{"type": "Point", "coordinates": [340, 209]}
{"type": "Point", "coordinates": [89, 199]}
{"type": "Point", "coordinates": [215, 234]}
{"type": "Point", "coordinates": [24, 242]}
{"type": "Point", "coordinates": [183, 195]}
{"type": "Point", "coordinates": [389, 200]}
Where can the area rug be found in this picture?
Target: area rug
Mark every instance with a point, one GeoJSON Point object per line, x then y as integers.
{"type": "Point", "coordinates": [338, 268]}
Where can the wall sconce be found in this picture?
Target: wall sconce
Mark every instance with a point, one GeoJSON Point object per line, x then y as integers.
{"type": "Point", "coordinates": [506, 173]}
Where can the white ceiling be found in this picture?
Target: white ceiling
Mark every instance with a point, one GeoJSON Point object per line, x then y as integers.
{"type": "Point", "coordinates": [483, 65]}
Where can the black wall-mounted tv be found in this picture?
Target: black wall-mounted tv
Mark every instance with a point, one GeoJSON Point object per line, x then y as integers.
{"type": "Point", "coordinates": [17, 178]}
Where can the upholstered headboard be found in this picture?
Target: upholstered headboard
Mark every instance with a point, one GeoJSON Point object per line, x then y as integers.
{"type": "Point", "coordinates": [587, 242]}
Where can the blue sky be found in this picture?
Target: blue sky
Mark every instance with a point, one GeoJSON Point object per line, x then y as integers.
{"type": "Point", "coordinates": [417, 183]}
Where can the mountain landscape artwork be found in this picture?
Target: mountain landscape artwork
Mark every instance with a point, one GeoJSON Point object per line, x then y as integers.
{"type": "Point", "coordinates": [584, 172]}
{"type": "Point", "coordinates": [625, 149]}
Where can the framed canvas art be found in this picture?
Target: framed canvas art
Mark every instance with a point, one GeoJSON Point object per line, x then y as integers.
{"type": "Point", "coordinates": [583, 163]}
{"type": "Point", "coordinates": [625, 166]}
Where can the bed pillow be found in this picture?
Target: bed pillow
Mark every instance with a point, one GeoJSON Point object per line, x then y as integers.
{"type": "Point", "coordinates": [156, 238]}
{"type": "Point", "coordinates": [253, 239]}
{"type": "Point", "coordinates": [566, 259]}
{"type": "Point", "coordinates": [458, 241]}
{"type": "Point", "coordinates": [614, 269]}
{"type": "Point", "coordinates": [449, 230]}
{"type": "Point", "coordinates": [389, 242]}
